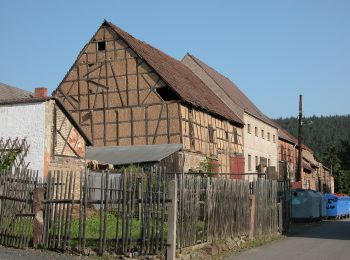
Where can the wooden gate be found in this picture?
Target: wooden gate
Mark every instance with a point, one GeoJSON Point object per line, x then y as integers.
{"type": "Point", "coordinates": [16, 210]}
{"type": "Point", "coordinates": [237, 167]}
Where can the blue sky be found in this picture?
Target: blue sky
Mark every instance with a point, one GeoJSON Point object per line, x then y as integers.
{"type": "Point", "coordinates": [273, 50]}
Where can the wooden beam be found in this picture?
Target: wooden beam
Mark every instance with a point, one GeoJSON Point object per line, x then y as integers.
{"type": "Point", "coordinates": [116, 83]}
{"type": "Point", "coordinates": [156, 131]}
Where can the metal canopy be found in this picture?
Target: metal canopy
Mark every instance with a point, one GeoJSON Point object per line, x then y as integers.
{"type": "Point", "coordinates": [119, 155]}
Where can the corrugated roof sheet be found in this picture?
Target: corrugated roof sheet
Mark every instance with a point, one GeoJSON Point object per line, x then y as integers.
{"type": "Point", "coordinates": [120, 155]}
{"type": "Point", "coordinates": [8, 92]}
{"type": "Point", "coordinates": [232, 91]}
{"type": "Point", "coordinates": [179, 77]}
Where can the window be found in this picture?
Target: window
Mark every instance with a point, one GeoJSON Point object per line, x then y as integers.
{"type": "Point", "coordinates": [262, 134]}
{"type": "Point", "coordinates": [256, 131]}
{"type": "Point", "coordinates": [235, 136]}
{"type": "Point", "coordinates": [226, 135]}
{"type": "Point", "coordinates": [249, 130]}
{"type": "Point", "coordinates": [249, 162]}
{"type": "Point", "coordinates": [101, 46]}
{"type": "Point", "coordinates": [167, 94]}
{"type": "Point", "coordinates": [268, 162]}
{"type": "Point", "coordinates": [274, 138]}
{"type": "Point", "coordinates": [256, 162]}
{"type": "Point", "coordinates": [268, 136]}
{"type": "Point", "coordinates": [211, 133]}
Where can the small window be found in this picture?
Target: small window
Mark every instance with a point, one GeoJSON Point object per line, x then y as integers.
{"type": "Point", "coordinates": [256, 162]}
{"type": "Point", "coordinates": [268, 162]}
{"type": "Point", "coordinates": [101, 46]}
{"type": "Point", "coordinates": [262, 134]}
{"type": "Point", "coordinates": [256, 131]}
{"type": "Point", "coordinates": [211, 133]}
{"type": "Point", "coordinates": [274, 138]}
{"type": "Point", "coordinates": [249, 162]}
{"type": "Point", "coordinates": [235, 136]}
{"type": "Point", "coordinates": [248, 127]}
{"type": "Point", "coordinates": [226, 135]}
{"type": "Point", "coordinates": [268, 136]}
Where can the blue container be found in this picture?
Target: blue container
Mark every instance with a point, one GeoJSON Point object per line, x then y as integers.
{"type": "Point", "coordinates": [337, 206]}
{"type": "Point", "coordinates": [333, 209]}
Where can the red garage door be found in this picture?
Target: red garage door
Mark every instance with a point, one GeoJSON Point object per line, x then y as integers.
{"type": "Point", "coordinates": [237, 167]}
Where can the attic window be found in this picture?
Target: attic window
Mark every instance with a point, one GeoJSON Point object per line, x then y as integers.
{"type": "Point", "coordinates": [101, 46]}
{"type": "Point", "coordinates": [167, 94]}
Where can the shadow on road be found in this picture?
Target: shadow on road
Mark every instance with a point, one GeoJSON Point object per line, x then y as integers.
{"type": "Point", "coordinates": [329, 229]}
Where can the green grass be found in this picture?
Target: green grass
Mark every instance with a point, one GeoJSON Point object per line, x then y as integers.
{"type": "Point", "coordinates": [93, 230]}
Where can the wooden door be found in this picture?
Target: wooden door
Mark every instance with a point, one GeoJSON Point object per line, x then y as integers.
{"type": "Point", "coordinates": [237, 167]}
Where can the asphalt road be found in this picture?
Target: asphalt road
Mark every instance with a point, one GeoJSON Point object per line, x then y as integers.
{"type": "Point", "coordinates": [328, 240]}
{"type": "Point", "coordinates": [30, 254]}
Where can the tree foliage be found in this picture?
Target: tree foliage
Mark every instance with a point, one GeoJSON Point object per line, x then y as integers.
{"type": "Point", "coordinates": [319, 132]}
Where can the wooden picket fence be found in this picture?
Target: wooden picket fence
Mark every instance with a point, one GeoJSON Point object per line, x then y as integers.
{"type": "Point", "coordinates": [123, 213]}
{"type": "Point", "coordinates": [219, 208]}
{"type": "Point", "coordinates": [16, 211]}
{"type": "Point", "coordinates": [131, 212]}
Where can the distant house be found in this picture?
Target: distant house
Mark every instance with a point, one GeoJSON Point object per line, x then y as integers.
{"type": "Point", "coordinates": [287, 155]}
{"type": "Point", "coordinates": [260, 133]}
{"type": "Point", "coordinates": [314, 174]}
{"type": "Point", "coordinates": [55, 141]}
{"type": "Point", "coordinates": [123, 92]}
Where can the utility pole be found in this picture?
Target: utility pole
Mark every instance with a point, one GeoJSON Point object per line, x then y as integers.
{"type": "Point", "coordinates": [300, 140]}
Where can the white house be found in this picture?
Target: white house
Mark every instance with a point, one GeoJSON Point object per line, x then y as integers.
{"type": "Point", "coordinates": [55, 141]}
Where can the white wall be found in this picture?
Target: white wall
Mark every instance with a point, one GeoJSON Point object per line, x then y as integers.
{"type": "Point", "coordinates": [26, 121]}
{"type": "Point", "coordinates": [258, 146]}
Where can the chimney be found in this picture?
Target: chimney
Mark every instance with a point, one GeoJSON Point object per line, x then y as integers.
{"type": "Point", "coordinates": [40, 92]}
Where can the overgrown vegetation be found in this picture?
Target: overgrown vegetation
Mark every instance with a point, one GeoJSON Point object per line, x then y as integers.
{"type": "Point", "coordinates": [7, 160]}
{"type": "Point", "coordinates": [329, 137]}
{"type": "Point", "coordinates": [93, 229]}
{"type": "Point", "coordinates": [208, 166]}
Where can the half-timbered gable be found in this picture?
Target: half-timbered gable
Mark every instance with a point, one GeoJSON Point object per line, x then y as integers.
{"type": "Point", "coordinates": [122, 91]}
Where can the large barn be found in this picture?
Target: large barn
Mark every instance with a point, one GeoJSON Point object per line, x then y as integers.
{"type": "Point", "coordinates": [124, 92]}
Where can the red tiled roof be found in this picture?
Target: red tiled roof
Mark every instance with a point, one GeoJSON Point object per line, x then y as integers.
{"type": "Point", "coordinates": [179, 77]}
{"type": "Point", "coordinates": [285, 135]}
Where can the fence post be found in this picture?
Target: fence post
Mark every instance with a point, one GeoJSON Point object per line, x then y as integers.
{"type": "Point", "coordinates": [280, 217]}
{"type": "Point", "coordinates": [252, 216]}
{"type": "Point", "coordinates": [38, 223]}
{"type": "Point", "coordinates": [172, 217]}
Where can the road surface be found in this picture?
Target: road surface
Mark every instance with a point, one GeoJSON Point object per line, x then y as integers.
{"type": "Point", "coordinates": [328, 240]}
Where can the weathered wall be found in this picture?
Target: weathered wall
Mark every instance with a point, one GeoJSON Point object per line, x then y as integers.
{"type": "Point", "coordinates": [227, 139]}
{"type": "Point", "coordinates": [257, 145]}
{"type": "Point", "coordinates": [26, 121]}
{"type": "Point", "coordinates": [64, 146]}
{"type": "Point", "coordinates": [112, 94]}
{"type": "Point", "coordinates": [288, 153]}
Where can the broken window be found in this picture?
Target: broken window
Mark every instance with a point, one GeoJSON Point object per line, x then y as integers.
{"type": "Point", "coordinates": [167, 94]}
